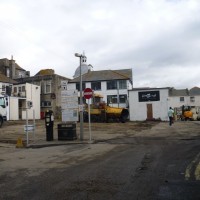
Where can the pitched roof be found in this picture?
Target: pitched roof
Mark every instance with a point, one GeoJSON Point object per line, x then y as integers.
{"type": "Point", "coordinates": [179, 92]}
{"type": "Point", "coordinates": [3, 60]}
{"type": "Point", "coordinates": [149, 88]}
{"type": "Point", "coordinates": [38, 78]}
{"type": "Point", "coordinates": [103, 75]}
{"type": "Point", "coordinates": [194, 91]}
{"type": "Point", "coordinates": [18, 67]}
{"type": "Point", "coordinates": [44, 72]}
{"type": "Point", "coordinates": [5, 79]}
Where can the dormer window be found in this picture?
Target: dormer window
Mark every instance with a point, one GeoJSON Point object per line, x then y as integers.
{"type": "Point", "coordinates": [8, 72]}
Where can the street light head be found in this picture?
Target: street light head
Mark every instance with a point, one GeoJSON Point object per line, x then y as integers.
{"type": "Point", "coordinates": [78, 55]}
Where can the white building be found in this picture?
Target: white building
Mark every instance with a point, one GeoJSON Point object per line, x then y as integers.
{"type": "Point", "coordinates": [180, 97]}
{"type": "Point", "coordinates": [113, 85]}
{"type": "Point", "coordinates": [24, 102]}
{"type": "Point", "coordinates": [153, 103]}
{"type": "Point", "coordinates": [148, 104]}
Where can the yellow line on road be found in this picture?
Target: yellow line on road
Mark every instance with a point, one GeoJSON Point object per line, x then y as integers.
{"type": "Point", "coordinates": [188, 171]}
{"type": "Point", "coordinates": [197, 172]}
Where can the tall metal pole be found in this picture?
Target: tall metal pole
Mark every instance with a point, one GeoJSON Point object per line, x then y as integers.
{"type": "Point", "coordinates": [118, 93]}
{"type": "Point", "coordinates": [81, 98]}
{"type": "Point", "coordinates": [26, 126]}
{"type": "Point", "coordinates": [81, 103]}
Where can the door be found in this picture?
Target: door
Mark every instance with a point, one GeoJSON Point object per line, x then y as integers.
{"type": "Point", "coordinates": [149, 112]}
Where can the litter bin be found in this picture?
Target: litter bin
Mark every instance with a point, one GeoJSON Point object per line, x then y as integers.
{"type": "Point", "coordinates": [67, 131]}
{"type": "Point", "coordinates": [49, 119]}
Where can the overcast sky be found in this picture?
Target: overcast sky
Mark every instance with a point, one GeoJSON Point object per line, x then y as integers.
{"type": "Point", "coordinates": [158, 39]}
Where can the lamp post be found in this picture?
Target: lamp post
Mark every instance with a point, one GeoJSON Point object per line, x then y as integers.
{"type": "Point", "coordinates": [81, 98]}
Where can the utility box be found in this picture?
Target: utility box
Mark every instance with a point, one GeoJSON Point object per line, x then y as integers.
{"type": "Point", "coordinates": [49, 122]}
{"type": "Point", "coordinates": [29, 104]}
{"type": "Point", "coordinates": [67, 131]}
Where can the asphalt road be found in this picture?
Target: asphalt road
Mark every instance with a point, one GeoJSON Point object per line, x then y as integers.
{"type": "Point", "coordinates": [158, 164]}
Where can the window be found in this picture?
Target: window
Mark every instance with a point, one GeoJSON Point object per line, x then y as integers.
{"type": "Point", "coordinates": [23, 88]}
{"type": "Point", "coordinates": [182, 99]}
{"type": "Point", "coordinates": [45, 87]}
{"type": "Point", "coordinates": [48, 87]}
{"type": "Point", "coordinates": [112, 99]}
{"type": "Point", "coordinates": [19, 89]}
{"type": "Point", "coordinates": [192, 99]}
{"type": "Point", "coordinates": [78, 86]}
{"type": "Point", "coordinates": [2, 102]}
{"type": "Point", "coordinates": [3, 88]}
{"type": "Point", "coordinates": [42, 87]}
{"type": "Point", "coordinates": [46, 103]}
{"type": "Point", "coordinates": [111, 85]}
{"type": "Point", "coordinates": [7, 72]}
{"type": "Point", "coordinates": [8, 90]}
{"type": "Point", "coordinates": [96, 85]}
{"type": "Point", "coordinates": [122, 98]}
{"type": "Point", "coordinates": [20, 74]}
{"type": "Point", "coordinates": [122, 84]}
{"type": "Point", "coordinates": [15, 89]}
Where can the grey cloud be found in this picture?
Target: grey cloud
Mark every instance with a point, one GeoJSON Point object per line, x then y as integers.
{"type": "Point", "coordinates": [153, 38]}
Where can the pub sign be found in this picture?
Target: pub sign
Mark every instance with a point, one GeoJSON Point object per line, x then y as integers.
{"type": "Point", "coordinates": [149, 96]}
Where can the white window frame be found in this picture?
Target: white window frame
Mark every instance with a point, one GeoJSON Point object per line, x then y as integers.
{"type": "Point", "coordinates": [46, 84]}
{"type": "Point", "coordinates": [46, 104]}
{"type": "Point", "coordinates": [122, 84]}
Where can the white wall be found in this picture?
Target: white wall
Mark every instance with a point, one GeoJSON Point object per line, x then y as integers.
{"type": "Point", "coordinates": [196, 102]}
{"type": "Point", "coordinates": [13, 111]}
{"type": "Point", "coordinates": [32, 94]}
{"type": "Point", "coordinates": [175, 102]}
{"type": "Point", "coordinates": [138, 110]}
{"type": "Point", "coordinates": [104, 92]}
{"type": "Point", "coordinates": [71, 86]}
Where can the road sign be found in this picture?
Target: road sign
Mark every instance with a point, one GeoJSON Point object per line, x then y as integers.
{"type": "Point", "coordinates": [64, 85]}
{"type": "Point", "coordinates": [88, 93]}
{"type": "Point", "coordinates": [29, 127]}
{"type": "Point", "coordinates": [69, 105]}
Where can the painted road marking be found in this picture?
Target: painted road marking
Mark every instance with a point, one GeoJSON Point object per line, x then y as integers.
{"type": "Point", "coordinates": [197, 172]}
{"type": "Point", "coordinates": [193, 169]}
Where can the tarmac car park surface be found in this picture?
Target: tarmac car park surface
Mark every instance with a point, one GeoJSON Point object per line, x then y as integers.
{"type": "Point", "coordinates": [133, 160]}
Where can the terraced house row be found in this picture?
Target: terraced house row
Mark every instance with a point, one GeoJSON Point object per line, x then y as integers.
{"type": "Point", "coordinates": [115, 87]}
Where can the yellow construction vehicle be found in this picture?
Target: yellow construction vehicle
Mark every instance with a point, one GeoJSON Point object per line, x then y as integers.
{"type": "Point", "coordinates": [100, 112]}
{"type": "Point", "coordinates": [187, 113]}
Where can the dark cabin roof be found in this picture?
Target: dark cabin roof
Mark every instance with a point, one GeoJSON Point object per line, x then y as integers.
{"type": "Point", "coordinates": [104, 75]}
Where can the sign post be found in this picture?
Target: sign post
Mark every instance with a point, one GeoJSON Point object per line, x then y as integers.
{"type": "Point", "coordinates": [88, 93]}
{"type": "Point", "coordinates": [69, 105]}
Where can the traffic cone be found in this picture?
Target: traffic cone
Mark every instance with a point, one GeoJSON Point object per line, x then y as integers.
{"type": "Point", "coordinates": [19, 143]}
